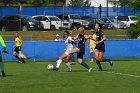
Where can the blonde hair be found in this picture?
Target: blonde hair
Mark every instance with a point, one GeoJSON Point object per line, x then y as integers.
{"type": "Point", "coordinates": [81, 29]}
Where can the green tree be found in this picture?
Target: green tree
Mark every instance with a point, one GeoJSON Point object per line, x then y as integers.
{"type": "Point", "coordinates": [80, 3]}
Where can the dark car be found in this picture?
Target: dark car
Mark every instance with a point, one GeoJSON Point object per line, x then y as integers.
{"type": "Point", "coordinates": [19, 22]}
{"type": "Point", "coordinates": [86, 20]}
{"type": "Point", "coordinates": [104, 25]}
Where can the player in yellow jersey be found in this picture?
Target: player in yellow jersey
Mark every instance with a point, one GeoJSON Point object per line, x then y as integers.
{"type": "Point", "coordinates": [18, 47]}
{"type": "Point", "coordinates": [92, 39]}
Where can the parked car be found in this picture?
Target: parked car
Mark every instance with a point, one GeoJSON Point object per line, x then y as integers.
{"type": "Point", "coordinates": [19, 22]}
{"type": "Point", "coordinates": [104, 24]}
{"type": "Point", "coordinates": [49, 22]}
{"type": "Point", "coordinates": [70, 21]}
{"type": "Point", "coordinates": [128, 20]}
{"type": "Point", "coordinates": [86, 20]}
{"type": "Point", "coordinates": [116, 23]}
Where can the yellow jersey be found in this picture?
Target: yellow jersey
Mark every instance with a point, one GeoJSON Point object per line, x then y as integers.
{"type": "Point", "coordinates": [18, 41]}
{"type": "Point", "coordinates": [92, 42]}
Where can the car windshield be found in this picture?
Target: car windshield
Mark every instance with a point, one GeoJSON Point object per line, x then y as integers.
{"type": "Point", "coordinates": [133, 18]}
{"type": "Point", "coordinates": [123, 18]}
{"type": "Point", "coordinates": [74, 16]}
{"type": "Point", "coordinates": [87, 18]}
{"type": "Point", "coordinates": [54, 19]}
{"type": "Point", "coordinates": [106, 20]}
{"type": "Point", "coordinates": [114, 20]}
{"type": "Point", "coordinates": [28, 18]}
{"type": "Point", "coordinates": [99, 21]}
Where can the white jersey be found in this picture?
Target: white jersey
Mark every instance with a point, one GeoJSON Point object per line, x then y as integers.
{"type": "Point", "coordinates": [69, 44]}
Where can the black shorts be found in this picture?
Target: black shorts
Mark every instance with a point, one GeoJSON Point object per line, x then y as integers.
{"type": "Point", "coordinates": [17, 49]}
{"type": "Point", "coordinates": [100, 48]}
{"type": "Point", "coordinates": [81, 48]}
{"type": "Point", "coordinates": [80, 55]}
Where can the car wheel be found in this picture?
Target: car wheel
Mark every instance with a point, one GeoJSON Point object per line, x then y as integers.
{"type": "Point", "coordinates": [3, 29]}
{"type": "Point", "coordinates": [53, 27]}
{"type": "Point", "coordinates": [24, 28]}
{"type": "Point", "coordinates": [75, 27]}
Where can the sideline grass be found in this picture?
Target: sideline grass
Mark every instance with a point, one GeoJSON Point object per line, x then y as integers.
{"type": "Point", "coordinates": [49, 35]}
{"type": "Point", "coordinates": [34, 77]}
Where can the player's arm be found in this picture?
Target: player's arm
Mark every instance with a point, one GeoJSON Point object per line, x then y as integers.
{"type": "Point", "coordinates": [71, 40]}
{"type": "Point", "coordinates": [104, 38]}
{"type": "Point", "coordinates": [76, 37]}
{"type": "Point", "coordinates": [89, 37]}
{"type": "Point", "coordinates": [2, 43]}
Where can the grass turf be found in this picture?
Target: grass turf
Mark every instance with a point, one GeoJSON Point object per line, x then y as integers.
{"type": "Point", "coordinates": [33, 77]}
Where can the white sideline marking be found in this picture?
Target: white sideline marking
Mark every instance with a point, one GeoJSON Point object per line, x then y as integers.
{"type": "Point", "coordinates": [130, 75]}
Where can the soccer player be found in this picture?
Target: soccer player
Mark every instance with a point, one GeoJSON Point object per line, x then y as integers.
{"type": "Point", "coordinates": [100, 47]}
{"type": "Point", "coordinates": [18, 47]}
{"type": "Point", "coordinates": [69, 45]}
{"type": "Point", "coordinates": [4, 50]}
{"type": "Point", "coordinates": [92, 39]}
{"type": "Point", "coordinates": [80, 49]}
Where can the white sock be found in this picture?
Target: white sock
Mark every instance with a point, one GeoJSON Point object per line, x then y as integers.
{"type": "Point", "coordinates": [59, 61]}
{"type": "Point", "coordinates": [69, 66]}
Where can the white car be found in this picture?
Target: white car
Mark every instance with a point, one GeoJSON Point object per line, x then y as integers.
{"type": "Point", "coordinates": [49, 22]}
{"type": "Point", "coordinates": [128, 20]}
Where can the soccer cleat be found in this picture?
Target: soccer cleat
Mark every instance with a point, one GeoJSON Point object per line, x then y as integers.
{"type": "Point", "coordinates": [55, 69]}
{"type": "Point", "coordinates": [90, 70]}
{"type": "Point", "coordinates": [69, 71]}
{"type": "Point", "coordinates": [3, 74]}
{"type": "Point", "coordinates": [111, 63]}
{"type": "Point", "coordinates": [72, 63]}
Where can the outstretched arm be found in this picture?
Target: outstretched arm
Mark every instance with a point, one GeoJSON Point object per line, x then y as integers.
{"type": "Point", "coordinates": [2, 43]}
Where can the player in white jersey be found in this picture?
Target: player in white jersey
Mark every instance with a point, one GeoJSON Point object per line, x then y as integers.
{"type": "Point", "coordinates": [69, 46]}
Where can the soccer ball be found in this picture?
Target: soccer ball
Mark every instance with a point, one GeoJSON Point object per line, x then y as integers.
{"type": "Point", "coordinates": [50, 67]}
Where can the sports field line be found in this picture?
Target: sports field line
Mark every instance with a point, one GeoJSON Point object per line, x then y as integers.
{"type": "Point", "coordinates": [130, 75]}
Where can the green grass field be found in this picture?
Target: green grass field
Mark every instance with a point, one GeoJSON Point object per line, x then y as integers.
{"type": "Point", "coordinates": [33, 77]}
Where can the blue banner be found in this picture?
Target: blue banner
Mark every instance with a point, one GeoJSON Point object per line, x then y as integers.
{"type": "Point", "coordinates": [51, 50]}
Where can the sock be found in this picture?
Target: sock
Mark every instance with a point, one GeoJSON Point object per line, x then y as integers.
{"type": "Point", "coordinates": [85, 65]}
{"type": "Point", "coordinates": [99, 65]}
{"type": "Point", "coordinates": [69, 66]}
{"type": "Point", "coordinates": [106, 60]}
{"type": "Point", "coordinates": [22, 60]}
{"type": "Point", "coordinates": [17, 57]}
{"type": "Point", "coordinates": [59, 61]}
{"type": "Point", "coordinates": [2, 66]}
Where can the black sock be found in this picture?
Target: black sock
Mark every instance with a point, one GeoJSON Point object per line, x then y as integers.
{"type": "Point", "coordinates": [17, 57]}
{"type": "Point", "coordinates": [22, 60]}
{"type": "Point", "coordinates": [106, 60]}
{"type": "Point", "coordinates": [85, 65]}
{"type": "Point", "coordinates": [99, 65]}
{"type": "Point", "coordinates": [3, 73]}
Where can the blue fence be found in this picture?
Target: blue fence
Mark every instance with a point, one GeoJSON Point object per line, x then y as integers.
{"type": "Point", "coordinates": [50, 50]}
{"type": "Point", "coordinates": [86, 11]}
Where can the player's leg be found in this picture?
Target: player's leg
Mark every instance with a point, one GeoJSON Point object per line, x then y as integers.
{"type": "Point", "coordinates": [101, 54]}
{"type": "Point", "coordinates": [80, 61]}
{"type": "Point", "coordinates": [15, 55]}
{"type": "Point", "coordinates": [105, 60]}
{"type": "Point", "coordinates": [67, 59]}
{"type": "Point", "coordinates": [2, 66]}
{"type": "Point", "coordinates": [21, 59]}
{"type": "Point", "coordinates": [91, 54]}
{"type": "Point", "coordinates": [97, 59]}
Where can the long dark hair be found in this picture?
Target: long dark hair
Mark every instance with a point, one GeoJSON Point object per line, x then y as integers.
{"type": "Point", "coordinates": [100, 25]}
{"type": "Point", "coordinates": [67, 32]}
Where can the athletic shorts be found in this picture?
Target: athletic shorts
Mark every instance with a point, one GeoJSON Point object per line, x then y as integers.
{"type": "Point", "coordinates": [100, 48]}
{"type": "Point", "coordinates": [80, 55]}
{"type": "Point", "coordinates": [81, 48]}
{"type": "Point", "coordinates": [17, 49]}
{"type": "Point", "coordinates": [68, 49]}
{"type": "Point", "coordinates": [92, 49]}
